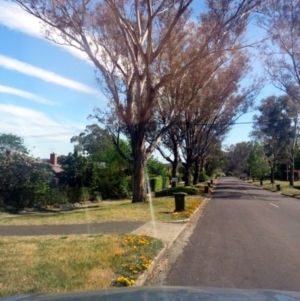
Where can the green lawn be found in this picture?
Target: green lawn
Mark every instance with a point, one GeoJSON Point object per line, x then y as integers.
{"type": "Point", "coordinates": [159, 209]}
{"type": "Point", "coordinates": [72, 263]}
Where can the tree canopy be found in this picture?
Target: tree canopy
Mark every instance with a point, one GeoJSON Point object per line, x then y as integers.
{"type": "Point", "coordinates": [275, 128]}
{"type": "Point", "coordinates": [258, 162]}
{"type": "Point", "coordinates": [12, 142]}
{"type": "Point", "coordinates": [140, 48]}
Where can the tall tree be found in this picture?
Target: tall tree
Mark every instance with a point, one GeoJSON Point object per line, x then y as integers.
{"type": "Point", "coordinates": [219, 105]}
{"type": "Point", "coordinates": [78, 171]}
{"type": "Point", "coordinates": [92, 140]}
{"type": "Point", "coordinates": [293, 111]}
{"type": "Point", "coordinates": [216, 161]}
{"type": "Point", "coordinates": [237, 156]}
{"type": "Point", "coordinates": [281, 49]}
{"type": "Point", "coordinates": [275, 128]}
{"type": "Point", "coordinates": [127, 41]}
{"type": "Point", "coordinates": [258, 162]}
{"type": "Point", "coordinates": [171, 144]}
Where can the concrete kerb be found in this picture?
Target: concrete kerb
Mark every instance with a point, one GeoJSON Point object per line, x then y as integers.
{"type": "Point", "coordinates": [142, 278]}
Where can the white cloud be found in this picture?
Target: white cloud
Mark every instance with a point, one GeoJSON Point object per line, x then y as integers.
{"type": "Point", "coordinates": [23, 119]}
{"type": "Point", "coordinates": [15, 18]}
{"type": "Point", "coordinates": [48, 76]}
{"type": "Point", "coordinates": [41, 133]}
{"type": "Point", "coordinates": [25, 94]}
{"type": "Point", "coordinates": [27, 122]}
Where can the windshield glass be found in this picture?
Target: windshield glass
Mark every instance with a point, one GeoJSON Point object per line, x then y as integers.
{"type": "Point", "coordinates": [149, 143]}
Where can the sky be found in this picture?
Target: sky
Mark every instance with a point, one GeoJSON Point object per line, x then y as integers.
{"type": "Point", "coordinates": [47, 91]}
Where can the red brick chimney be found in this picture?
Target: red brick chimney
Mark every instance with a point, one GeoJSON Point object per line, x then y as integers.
{"type": "Point", "coordinates": [53, 159]}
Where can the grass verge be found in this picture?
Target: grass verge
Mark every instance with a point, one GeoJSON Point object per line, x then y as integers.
{"type": "Point", "coordinates": [160, 209]}
{"type": "Point", "coordinates": [72, 263]}
{"type": "Point", "coordinates": [285, 187]}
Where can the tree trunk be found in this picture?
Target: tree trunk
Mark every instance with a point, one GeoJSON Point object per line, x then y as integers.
{"type": "Point", "coordinates": [139, 189]}
{"type": "Point", "coordinates": [174, 172]}
{"type": "Point", "coordinates": [287, 171]}
{"type": "Point", "coordinates": [292, 175]}
{"type": "Point", "coordinates": [272, 175]}
{"type": "Point", "coordinates": [187, 174]}
{"type": "Point", "coordinates": [196, 174]}
{"type": "Point", "coordinates": [292, 167]}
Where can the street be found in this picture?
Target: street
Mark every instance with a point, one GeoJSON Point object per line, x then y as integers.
{"type": "Point", "coordinates": [247, 238]}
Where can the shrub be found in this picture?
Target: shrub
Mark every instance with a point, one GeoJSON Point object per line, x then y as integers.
{"type": "Point", "coordinates": [11, 209]}
{"type": "Point", "coordinates": [156, 184]}
{"type": "Point", "coordinates": [113, 188]}
{"type": "Point", "coordinates": [203, 177]}
{"type": "Point", "coordinates": [170, 191]}
{"type": "Point", "coordinates": [180, 176]}
{"type": "Point", "coordinates": [96, 196]}
{"type": "Point", "coordinates": [165, 182]}
{"type": "Point", "coordinates": [55, 195]}
{"type": "Point", "coordinates": [77, 194]}
{"type": "Point", "coordinates": [128, 181]}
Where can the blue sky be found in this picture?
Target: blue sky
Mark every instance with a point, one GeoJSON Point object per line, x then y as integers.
{"type": "Point", "coordinates": [47, 91]}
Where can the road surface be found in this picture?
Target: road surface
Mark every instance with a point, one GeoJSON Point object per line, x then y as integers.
{"type": "Point", "coordinates": [247, 238]}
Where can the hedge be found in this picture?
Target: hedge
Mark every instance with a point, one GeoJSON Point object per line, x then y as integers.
{"type": "Point", "coordinates": [156, 183]}
{"type": "Point", "coordinates": [165, 182]}
{"type": "Point", "coordinates": [169, 192]}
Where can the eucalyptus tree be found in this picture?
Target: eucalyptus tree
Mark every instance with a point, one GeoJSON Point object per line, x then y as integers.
{"type": "Point", "coordinates": [281, 50]}
{"type": "Point", "coordinates": [277, 128]}
{"type": "Point", "coordinates": [127, 40]}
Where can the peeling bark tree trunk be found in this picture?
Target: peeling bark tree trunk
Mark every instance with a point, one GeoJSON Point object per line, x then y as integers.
{"type": "Point", "coordinates": [139, 193]}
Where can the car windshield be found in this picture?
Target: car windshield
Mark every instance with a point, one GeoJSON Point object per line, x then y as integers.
{"type": "Point", "coordinates": [149, 144]}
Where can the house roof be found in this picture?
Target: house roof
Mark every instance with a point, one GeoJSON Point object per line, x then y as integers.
{"type": "Point", "coordinates": [56, 168]}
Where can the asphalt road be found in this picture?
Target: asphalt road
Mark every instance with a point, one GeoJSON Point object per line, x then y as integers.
{"type": "Point", "coordinates": [247, 238]}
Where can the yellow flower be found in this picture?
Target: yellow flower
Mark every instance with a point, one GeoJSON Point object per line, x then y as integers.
{"type": "Point", "coordinates": [146, 265]}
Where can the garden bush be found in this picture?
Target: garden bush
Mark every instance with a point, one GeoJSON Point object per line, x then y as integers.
{"type": "Point", "coordinates": [114, 188]}
{"type": "Point", "coordinates": [77, 194]}
{"type": "Point", "coordinates": [203, 177]}
{"type": "Point", "coordinates": [55, 196]}
{"type": "Point", "coordinates": [96, 196]}
{"type": "Point", "coordinates": [165, 182]}
{"type": "Point", "coordinates": [156, 183]}
{"type": "Point", "coordinates": [170, 191]}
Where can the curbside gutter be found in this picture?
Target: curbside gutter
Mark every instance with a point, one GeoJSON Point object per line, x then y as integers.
{"type": "Point", "coordinates": [142, 278]}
